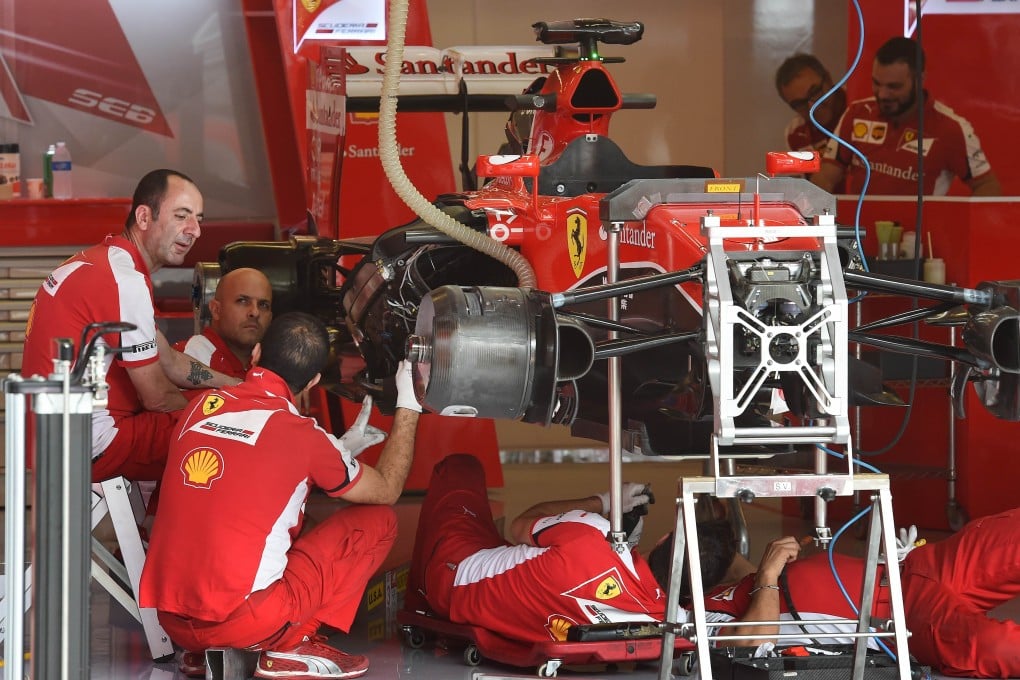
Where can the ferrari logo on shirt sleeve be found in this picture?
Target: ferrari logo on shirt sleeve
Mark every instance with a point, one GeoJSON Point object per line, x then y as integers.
{"type": "Point", "coordinates": [577, 240]}
{"type": "Point", "coordinates": [608, 589]}
{"type": "Point", "coordinates": [212, 404]}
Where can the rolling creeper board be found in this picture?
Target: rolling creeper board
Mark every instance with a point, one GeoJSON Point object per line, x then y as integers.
{"type": "Point", "coordinates": [546, 657]}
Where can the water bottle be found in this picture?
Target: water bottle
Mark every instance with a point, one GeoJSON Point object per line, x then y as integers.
{"type": "Point", "coordinates": [48, 171]}
{"type": "Point", "coordinates": [61, 172]}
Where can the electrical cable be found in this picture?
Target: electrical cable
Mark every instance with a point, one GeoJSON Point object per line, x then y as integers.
{"type": "Point", "coordinates": [919, 96]}
{"type": "Point", "coordinates": [864, 160]}
{"type": "Point", "coordinates": [839, 582]}
{"type": "Point", "coordinates": [840, 455]}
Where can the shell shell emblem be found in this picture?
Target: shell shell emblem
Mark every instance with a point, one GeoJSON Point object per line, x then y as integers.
{"type": "Point", "coordinates": [212, 404]}
{"type": "Point", "coordinates": [558, 626]}
{"type": "Point", "coordinates": [201, 467]}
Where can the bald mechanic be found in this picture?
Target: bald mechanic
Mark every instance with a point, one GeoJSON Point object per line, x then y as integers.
{"type": "Point", "coordinates": [228, 564]}
{"type": "Point", "coordinates": [241, 311]}
{"type": "Point", "coordinates": [111, 282]}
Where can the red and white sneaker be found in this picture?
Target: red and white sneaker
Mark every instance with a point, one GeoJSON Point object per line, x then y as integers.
{"type": "Point", "coordinates": [310, 660]}
{"type": "Point", "coordinates": [191, 664]}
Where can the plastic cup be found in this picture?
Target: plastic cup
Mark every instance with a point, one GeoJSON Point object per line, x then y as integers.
{"type": "Point", "coordinates": [883, 230]}
{"type": "Point", "coordinates": [894, 238]}
{"type": "Point", "coordinates": [36, 187]}
{"type": "Point", "coordinates": [935, 270]}
{"type": "Point", "coordinates": [908, 244]}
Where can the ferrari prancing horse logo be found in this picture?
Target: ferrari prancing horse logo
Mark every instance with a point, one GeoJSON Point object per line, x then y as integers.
{"type": "Point", "coordinates": [212, 404]}
{"type": "Point", "coordinates": [577, 240]}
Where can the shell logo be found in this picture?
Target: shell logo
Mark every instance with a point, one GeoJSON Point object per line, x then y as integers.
{"type": "Point", "coordinates": [212, 404]}
{"type": "Point", "coordinates": [608, 589]}
{"type": "Point", "coordinates": [202, 467]}
{"type": "Point", "coordinates": [860, 130]}
{"type": "Point", "coordinates": [558, 627]}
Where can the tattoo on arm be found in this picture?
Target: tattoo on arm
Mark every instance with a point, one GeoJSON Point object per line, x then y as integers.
{"type": "Point", "coordinates": [199, 373]}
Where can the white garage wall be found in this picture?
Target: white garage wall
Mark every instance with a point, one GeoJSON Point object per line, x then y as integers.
{"type": "Point", "coordinates": [709, 62]}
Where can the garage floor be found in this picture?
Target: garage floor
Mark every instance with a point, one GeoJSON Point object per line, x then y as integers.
{"type": "Point", "coordinates": [118, 649]}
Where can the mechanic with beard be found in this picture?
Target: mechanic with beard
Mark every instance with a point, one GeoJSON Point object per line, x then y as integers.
{"type": "Point", "coordinates": [801, 80]}
{"type": "Point", "coordinates": [241, 311]}
{"type": "Point", "coordinates": [884, 128]}
{"type": "Point", "coordinates": [111, 282]}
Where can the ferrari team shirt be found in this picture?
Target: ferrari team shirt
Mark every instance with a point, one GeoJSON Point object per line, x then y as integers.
{"type": "Point", "coordinates": [802, 135]}
{"type": "Point", "coordinates": [554, 589]}
{"type": "Point", "coordinates": [951, 148]}
{"type": "Point", "coordinates": [209, 348]}
{"type": "Point", "coordinates": [241, 465]}
{"type": "Point", "coordinates": [107, 282]}
{"type": "Point", "coordinates": [815, 594]}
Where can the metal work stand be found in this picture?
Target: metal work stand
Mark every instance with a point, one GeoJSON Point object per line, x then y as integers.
{"type": "Point", "coordinates": [60, 568]}
{"type": "Point", "coordinates": [813, 351]}
{"type": "Point", "coordinates": [685, 536]}
{"type": "Point", "coordinates": [745, 352]}
{"type": "Point", "coordinates": [62, 405]}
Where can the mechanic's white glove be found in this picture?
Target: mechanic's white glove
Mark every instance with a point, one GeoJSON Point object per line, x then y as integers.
{"type": "Point", "coordinates": [633, 495]}
{"type": "Point", "coordinates": [405, 387]}
{"type": "Point", "coordinates": [635, 535]}
{"type": "Point", "coordinates": [361, 435]}
{"type": "Point", "coordinates": [906, 542]}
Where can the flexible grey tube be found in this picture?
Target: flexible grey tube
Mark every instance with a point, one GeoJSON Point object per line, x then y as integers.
{"type": "Point", "coordinates": [389, 154]}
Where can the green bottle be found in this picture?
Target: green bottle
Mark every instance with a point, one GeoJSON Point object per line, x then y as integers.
{"type": "Point", "coordinates": [48, 170]}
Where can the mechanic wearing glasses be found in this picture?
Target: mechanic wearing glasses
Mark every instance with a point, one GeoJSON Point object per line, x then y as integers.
{"type": "Point", "coordinates": [801, 81]}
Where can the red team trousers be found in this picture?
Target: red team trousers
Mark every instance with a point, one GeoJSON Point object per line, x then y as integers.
{"type": "Point", "coordinates": [327, 571]}
{"type": "Point", "coordinates": [948, 589]}
{"type": "Point", "coordinates": [455, 521]}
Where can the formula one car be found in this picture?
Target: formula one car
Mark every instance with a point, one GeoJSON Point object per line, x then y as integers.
{"type": "Point", "coordinates": [725, 297]}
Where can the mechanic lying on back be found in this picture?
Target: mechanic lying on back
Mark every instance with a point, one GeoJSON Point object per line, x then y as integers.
{"type": "Point", "coordinates": [948, 589]}
{"type": "Point", "coordinates": [561, 573]}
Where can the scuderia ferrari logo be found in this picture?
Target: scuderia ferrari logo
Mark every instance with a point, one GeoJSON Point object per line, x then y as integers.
{"type": "Point", "coordinates": [212, 404]}
{"type": "Point", "coordinates": [577, 239]}
{"type": "Point", "coordinates": [608, 589]}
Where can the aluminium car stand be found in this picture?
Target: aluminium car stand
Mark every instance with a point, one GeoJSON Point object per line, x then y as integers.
{"type": "Point", "coordinates": [825, 376]}
{"type": "Point", "coordinates": [63, 409]}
